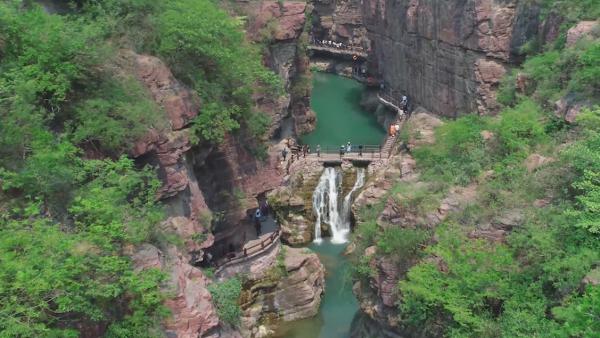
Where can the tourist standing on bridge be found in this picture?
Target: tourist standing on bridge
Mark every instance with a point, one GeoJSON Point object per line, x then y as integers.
{"type": "Point", "coordinates": [318, 150]}
{"type": "Point", "coordinates": [348, 147]}
{"type": "Point", "coordinates": [360, 149]}
{"type": "Point", "coordinates": [257, 216]}
{"type": "Point", "coordinates": [397, 128]}
{"type": "Point", "coordinates": [392, 129]}
{"type": "Point", "coordinates": [342, 150]}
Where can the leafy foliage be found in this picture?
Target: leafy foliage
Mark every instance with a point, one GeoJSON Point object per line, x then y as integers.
{"type": "Point", "coordinates": [226, 296]}
{"type": "Point", "coordinates": [530, 283]}
{"type": "Point", "coordinates": [51, 276]}
{"type": "Point", "coordinates": [207, 50]}
{"type": "Point", "coordinates": [72, 209]}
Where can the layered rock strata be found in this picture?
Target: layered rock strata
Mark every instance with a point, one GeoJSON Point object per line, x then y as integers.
{"type": "Point", "coordinates": [448, 56]}
{"type": "Point", "coordinates": [281, 26]}
{"type": "Point", "coordinates": [286, 288]}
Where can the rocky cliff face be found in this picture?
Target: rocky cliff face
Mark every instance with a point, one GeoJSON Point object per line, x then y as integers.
{"type": "Point", "coordinates": [199, 181]}
{"type": "Point", "coordinates": [193, 178]}
{"type": "Point", "coordinates": [286, 288]}
{"type": "Point", "coordinates": [448, 56]}
{"type": "Point", "coordinates": [192, 312]}
{"type": "Point", "coordinates": [281, 27]}
{"type": "Point", "coordinates": [340, 20]}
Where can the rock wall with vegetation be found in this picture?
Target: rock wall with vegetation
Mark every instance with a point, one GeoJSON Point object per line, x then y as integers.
{"type": "Point", "coordinates": [448, 56]}
{"type": "Point", "coordinates": [111, 113]}
{"type": "Point", "coordinates": [491, 229]}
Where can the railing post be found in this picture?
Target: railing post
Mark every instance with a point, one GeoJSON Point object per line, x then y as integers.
{"type": "Point", "coordinates": [245, 252]}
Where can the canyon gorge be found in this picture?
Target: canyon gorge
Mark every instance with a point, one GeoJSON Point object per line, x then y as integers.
{"type": "Point", "coordinates": [309, 214]}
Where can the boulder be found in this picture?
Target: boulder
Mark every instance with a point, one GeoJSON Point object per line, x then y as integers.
{"type": "Point", "coordinates": [534, 161]}
{"type": "Point", "coordinates": [421, 128]}
{"type": "Point", "coordinates": [581, 30]}
{"type": "Point", "coordinates": [592, 278]}
{"type": "Point", "coordinates": [487, 135]}
{"type": "Point", "coordinates": [522, 83]}
{"type": "Point", "coordinates": [288, 289]}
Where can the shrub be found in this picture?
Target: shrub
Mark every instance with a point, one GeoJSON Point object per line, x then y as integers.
{"type": "Point", "coordinates": [207, 50]}
{"type": "Point", "coordinates": [225, 297]}
{"type": "Point", "coordinates": [401, 242]}
{"type": "Point", "coordinates": [520, 127]}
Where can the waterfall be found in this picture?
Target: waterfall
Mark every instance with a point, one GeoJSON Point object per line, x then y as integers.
{"type": "Point", "coordinates": [346, 207]}
{"type": "Point", "coordinates": [326, 203]}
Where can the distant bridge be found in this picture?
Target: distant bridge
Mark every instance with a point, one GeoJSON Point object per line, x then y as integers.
{"type": "Point", "coordinates": [350, 52]}
{"type": "Point", "coordinates": [372, 155]}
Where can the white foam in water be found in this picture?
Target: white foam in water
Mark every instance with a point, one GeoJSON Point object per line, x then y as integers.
{"type": "Point", "coordinates": [326, 204]}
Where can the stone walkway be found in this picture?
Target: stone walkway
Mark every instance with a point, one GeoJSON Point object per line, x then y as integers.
{"type": "Point", "coordinates": [340, 51]}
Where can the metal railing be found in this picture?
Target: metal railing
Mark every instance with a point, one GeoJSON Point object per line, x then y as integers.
{"type": "Point", "coordinates": [367, 151]}
{"type": "Point", "coordinates": [337, 46]}
{"type": "Point", "coordinates": [234, 257]}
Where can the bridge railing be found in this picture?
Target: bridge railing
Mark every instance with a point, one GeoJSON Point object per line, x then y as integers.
{"type": "Point", "coordinates": [234, 257]}
{"type": "Point", "coordinates": [342, 47]}
{"type": "Point", "coordinates": [368, 151]}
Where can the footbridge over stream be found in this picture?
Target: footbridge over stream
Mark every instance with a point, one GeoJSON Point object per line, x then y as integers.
{"type": "Point", "coordinates": [262, 249]}
{"type": "Point", "coordinates": [372, 156]}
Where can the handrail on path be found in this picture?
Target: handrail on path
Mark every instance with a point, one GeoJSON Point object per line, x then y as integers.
{"type": "Point", "coordinates": [233, 257]}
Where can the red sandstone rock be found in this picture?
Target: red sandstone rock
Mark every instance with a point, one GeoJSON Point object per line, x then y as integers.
{"type": "Point", "coordinates": [292, 296]}
{"type": "Point", "coordinates": [192, 312]}
{"type": "Point", "coordinates": [522, 83]}
{"type": "Point", "coordinates": [180, 104]}
{"type": "Point", "coordinates": [488, 74]}
{"type": "Point", "coordinates": [582, 29]}
{"type": "Point", "coordinates": [387, 280]}
{"type": "Point", "coordinates": [534, 161]}
{"type": "Point", "coordinates": [289, 17]}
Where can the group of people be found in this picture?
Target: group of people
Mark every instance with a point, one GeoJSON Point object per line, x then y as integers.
{"type": "Point", "coordinates": [297, 150]}
{"type": "Point", "coordinates": [344, 149]}
{"type": "Point", "coordinates": [301, 150]}
{"type": "Point", "coordinates": [330, 43]}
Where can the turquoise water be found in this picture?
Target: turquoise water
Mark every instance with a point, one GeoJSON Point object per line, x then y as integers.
{"type": "Point", "coordinates": [338, 305]}
{"type": "Point", "coordinates": [340, 118]}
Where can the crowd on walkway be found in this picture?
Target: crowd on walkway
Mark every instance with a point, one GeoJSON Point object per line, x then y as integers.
{"type": "Point", "coordinates": [297, 151]}
{"type": "Point", "coordinates": [335, 44]}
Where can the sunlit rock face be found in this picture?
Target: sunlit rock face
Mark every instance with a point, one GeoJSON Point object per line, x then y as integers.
{"type": "Point", "coordinates": [448, 56]}
{"type": "Point", "coordinates": [286, 288]}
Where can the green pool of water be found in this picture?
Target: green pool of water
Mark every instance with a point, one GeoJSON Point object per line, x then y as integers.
{"type": "Point", "coordinates": [340, 118]}
{"type": "Point", "coordinates": [338, 305]}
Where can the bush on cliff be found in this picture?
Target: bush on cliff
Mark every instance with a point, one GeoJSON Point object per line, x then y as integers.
{"type": "Point", "coordinates": [72, 210]}
{"type": "Point", "coordinates": [226, 298]}
{"type": "Point", "coordinates": [528, 278]}
{"type": "Point", "coordinates": [207, 50]}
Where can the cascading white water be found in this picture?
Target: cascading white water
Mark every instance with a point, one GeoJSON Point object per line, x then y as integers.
{"type": "Point", "coordinates": [346, 206]}
{"type": "Point", "coordinates": [326, 205]}
{"type": "Point", "coordinates": [325, 201]}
